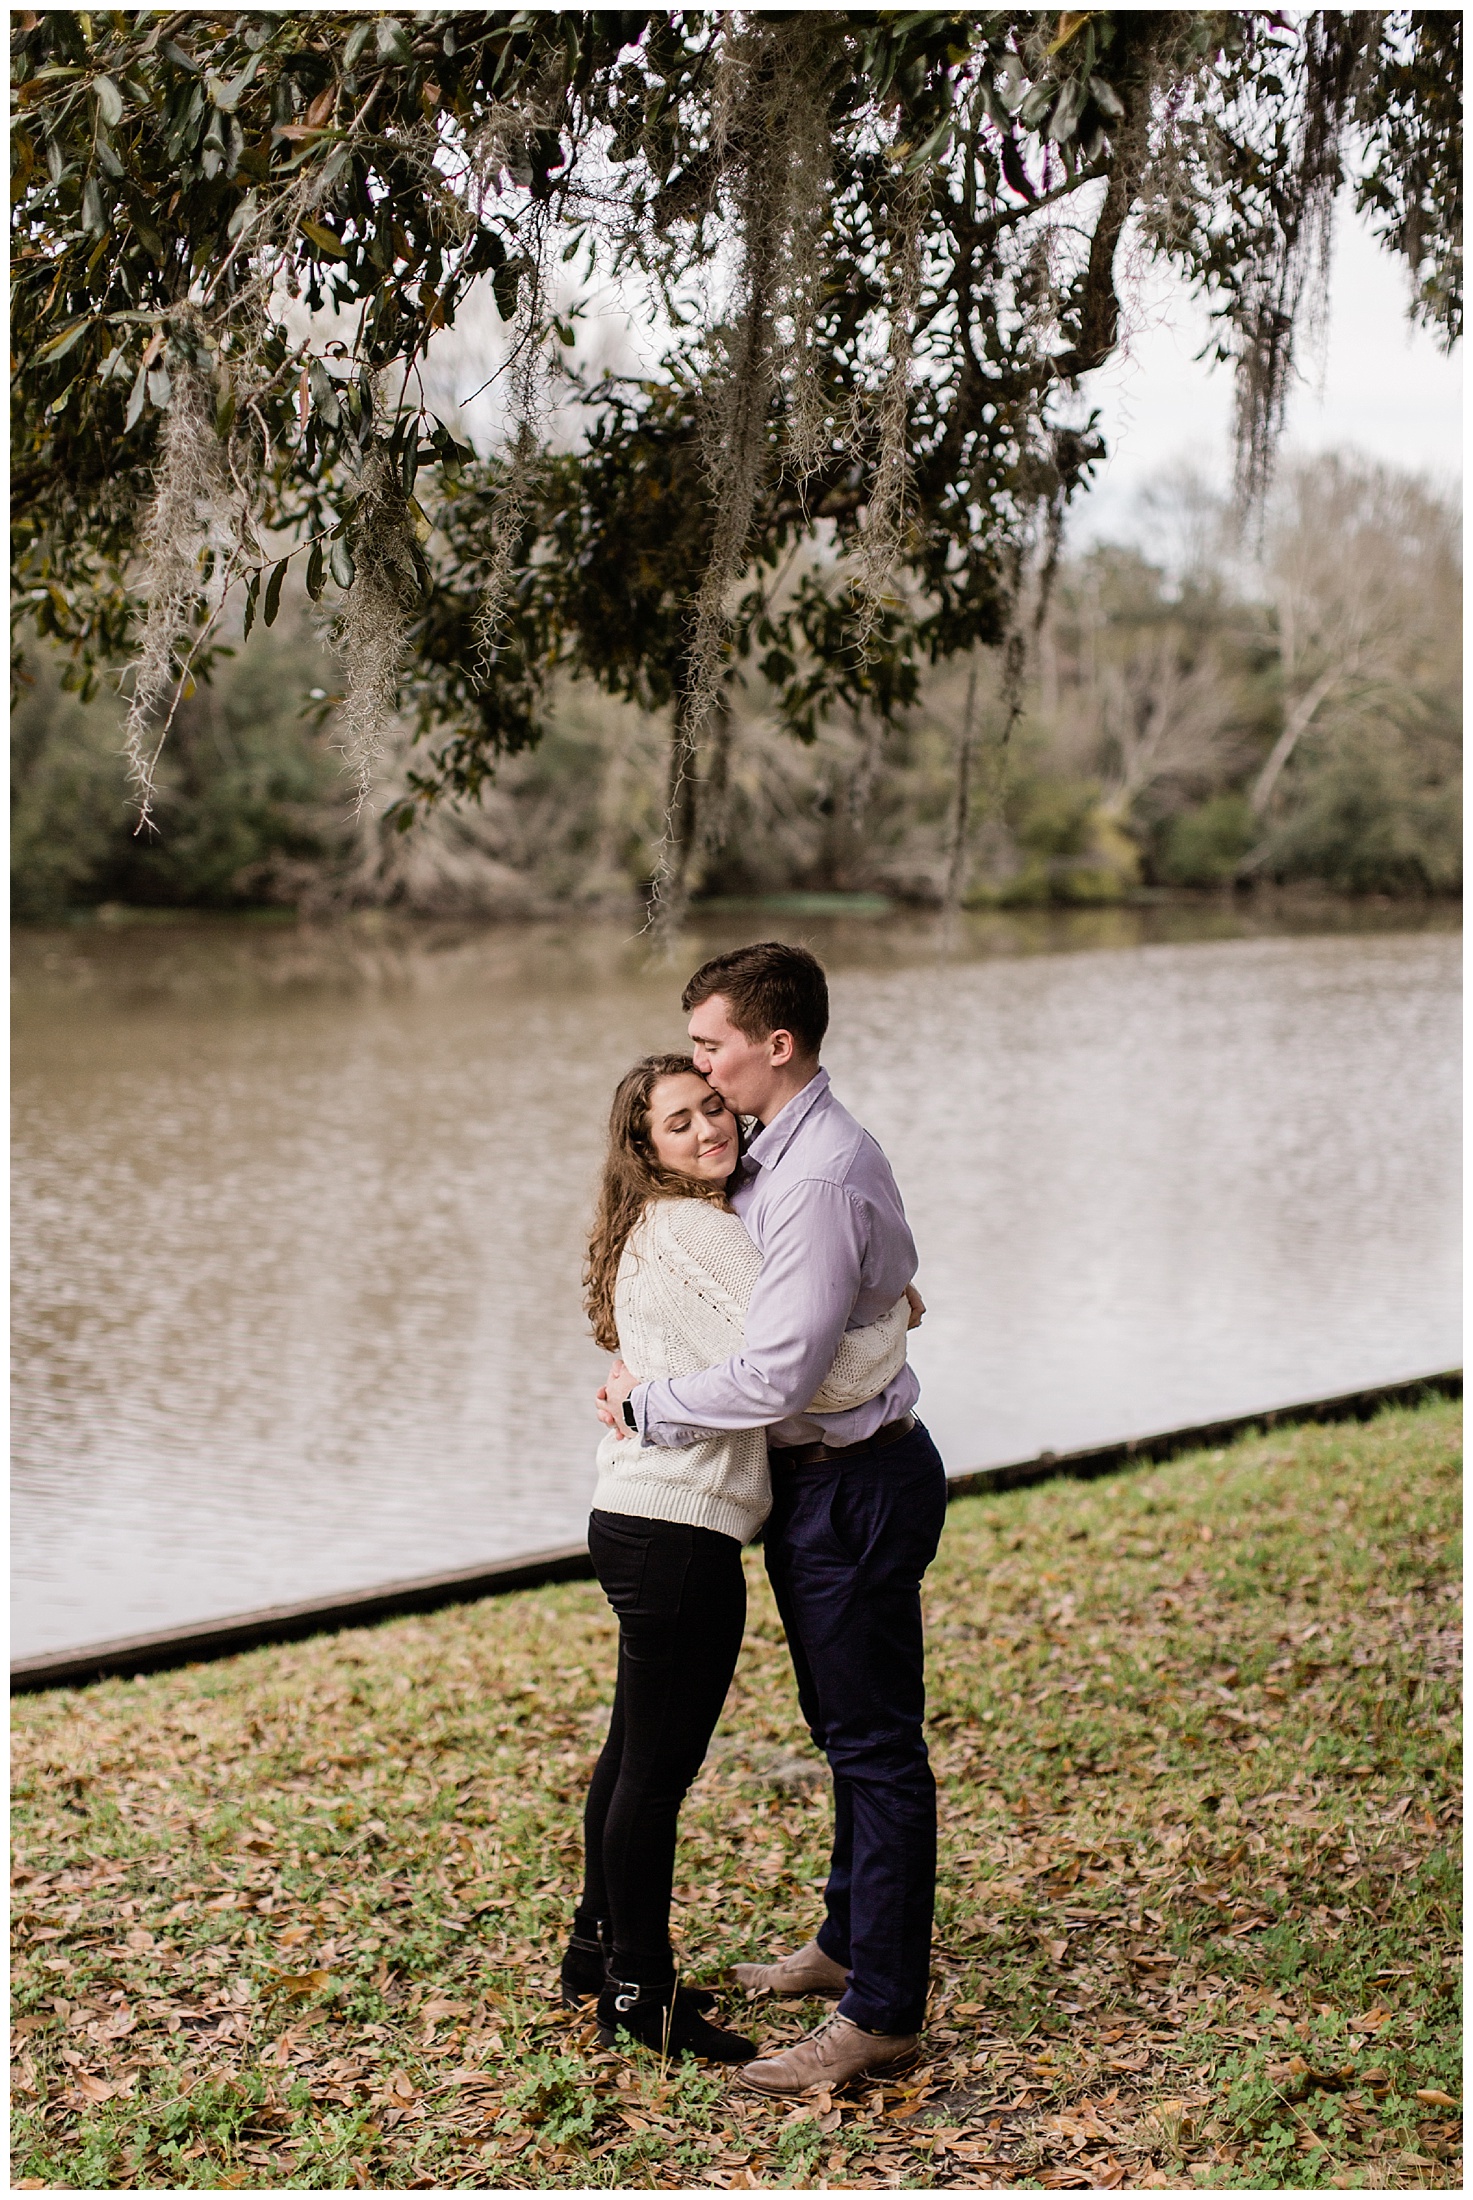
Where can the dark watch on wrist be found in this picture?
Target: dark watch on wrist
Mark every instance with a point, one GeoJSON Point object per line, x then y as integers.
{"type": "Point", "coordinates": [629, 1420]}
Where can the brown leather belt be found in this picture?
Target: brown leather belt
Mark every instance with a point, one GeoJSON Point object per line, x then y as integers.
{"type": "Point", "coordinates": [819, 1455]}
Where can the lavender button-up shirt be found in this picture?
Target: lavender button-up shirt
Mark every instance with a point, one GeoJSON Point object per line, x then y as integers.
{"type": "Point", "coordinates": [817, 1198]}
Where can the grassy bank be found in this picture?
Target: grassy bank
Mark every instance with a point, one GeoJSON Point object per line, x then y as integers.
{"type": "Point", "coordinates": [294, 1919]}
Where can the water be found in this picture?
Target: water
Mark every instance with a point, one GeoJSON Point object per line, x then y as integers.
{"type": "Point", "coordinates": [297, 1217]}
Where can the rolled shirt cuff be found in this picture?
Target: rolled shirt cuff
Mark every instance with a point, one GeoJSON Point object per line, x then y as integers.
{"type": "Point", "coordinates": [645, 1400]}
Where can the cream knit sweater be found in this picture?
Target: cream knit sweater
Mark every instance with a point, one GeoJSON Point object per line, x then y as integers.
{"type": "Point", "coordinates": [680, 1303]}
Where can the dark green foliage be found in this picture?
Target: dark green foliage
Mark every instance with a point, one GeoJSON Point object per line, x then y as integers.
{"type": "Point", "coordinates": [1410, 107]}
{"type": "Point", "coordinates": [1368, 820]}
{"type": "Point", "coordinates": [1206, 846]}
{"type": "Point", "coordinates": [250, 802]}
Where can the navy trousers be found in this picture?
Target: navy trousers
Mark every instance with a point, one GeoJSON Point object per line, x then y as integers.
{"type": "Point", "coordinates": [846, 1545]}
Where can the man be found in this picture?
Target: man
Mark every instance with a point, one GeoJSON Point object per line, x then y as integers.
{"type": "Point", "coordinates": [858, 1499]}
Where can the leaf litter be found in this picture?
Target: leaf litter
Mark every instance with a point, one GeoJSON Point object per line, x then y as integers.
{"type": "Point", "coordinates": [294, 1919]}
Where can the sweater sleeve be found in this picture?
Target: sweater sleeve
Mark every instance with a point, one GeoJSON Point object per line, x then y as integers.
{"type": "Point", "coordinates": [867, 1362]}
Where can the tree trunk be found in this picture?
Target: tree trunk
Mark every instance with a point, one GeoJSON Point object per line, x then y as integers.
{"type": "Point", "coordinates": [1295, 724]}
{"type": "Point", "coordinates": [670, 887]}
{"type": "Point", "coordinates": [962, 807]}
{"type": "Point", "coordinates": [714, 782]}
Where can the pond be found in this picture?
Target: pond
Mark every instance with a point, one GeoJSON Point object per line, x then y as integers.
{"type": "Point", "coordinates": [298, 1214]}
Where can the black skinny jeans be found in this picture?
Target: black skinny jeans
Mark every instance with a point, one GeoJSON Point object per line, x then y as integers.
{"type": "Point", "coordinates": [681, 1600]}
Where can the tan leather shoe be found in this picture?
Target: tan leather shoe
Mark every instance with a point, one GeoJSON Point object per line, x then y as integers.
{"type": "Point", "coordinates": [831, 2056]}
{"type": "Point", "coordinates": [810, 1971]}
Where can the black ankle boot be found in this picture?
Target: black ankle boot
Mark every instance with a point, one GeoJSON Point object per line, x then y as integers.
{"type": "Point", "coordinates": [585, 1965]}
{"type": "Point", "coordinates": [666, 2019]}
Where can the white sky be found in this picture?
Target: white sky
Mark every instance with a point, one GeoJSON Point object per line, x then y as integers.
{"type": "Point", "coordinates": [1381, 387]}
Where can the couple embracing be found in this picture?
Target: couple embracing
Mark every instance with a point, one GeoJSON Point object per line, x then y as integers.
{"type": "Point", "coordinates": [757, 1289]}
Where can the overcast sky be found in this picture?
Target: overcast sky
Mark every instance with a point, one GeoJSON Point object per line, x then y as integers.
{"type": "Point", "coordinates": [1382, 387]}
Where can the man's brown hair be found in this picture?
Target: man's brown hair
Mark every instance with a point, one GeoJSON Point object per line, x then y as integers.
{"type": "Point", "coordinates": [768, 987]}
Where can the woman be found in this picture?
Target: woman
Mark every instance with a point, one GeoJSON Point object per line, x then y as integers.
{"type": "Point", "coordinates": [670, 1272]}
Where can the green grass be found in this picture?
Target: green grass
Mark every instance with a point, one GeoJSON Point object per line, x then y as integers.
{"type": "Point", "coordinates": [293, 1919]}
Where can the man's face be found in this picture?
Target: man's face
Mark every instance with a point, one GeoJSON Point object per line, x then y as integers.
{"type": "Point", "coordinates": [744, 1071]}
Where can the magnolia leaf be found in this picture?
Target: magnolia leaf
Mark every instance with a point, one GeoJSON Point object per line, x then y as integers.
{"type": "Point", "coordinates": [244, 215]}
{"type": "Point", "coordinates": [340, 563]}
{"type": "Point", "coordinates": [253, 590]}
{"type": "Point", "coordinates": [357, 40]}
{"type": "Point", "coordinates": [1107, 99]}
{"type": "Point", "coordinates": [59, 346]}
{"type": "Point", "coordinates": [933, 149]}
{"type": "Point", "coordinates": [1067, 111]}
{"type": "Point", "coordinates": [1013, 169]}
{"type": "Point", "coordinates": [324, 392]}
{"type": "Point", "coordinates": [420, 520]}
{"type": "Point", "coordinates": [227, 96]}
{"type": "Point", "coordinates": [136, 400]}
{"type": "Point", "coordinates": [505, 284]}
{"type": "Point", "coordinates": [109, 100]}
{"type": "Point", "coordinates": [160, 388]}
{"type": "Point", "coordinates": [314, 572]}
{"type": "Point", "coordinates": [94, 220]}
{"type": "Point", "coordinates": [1037, 105]}
{"type": "Point", "coordinates": [323, 238]}
{"type": "Point", "coordinates": [1071, 21]}
{"type": "Point", "coordinates": [273, 592]}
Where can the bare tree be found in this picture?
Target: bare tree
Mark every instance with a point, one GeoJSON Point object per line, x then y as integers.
{"type": "Point", "coordinates": [1361, 574]}
{"type": "Point", "coordinates": [1139, 691]}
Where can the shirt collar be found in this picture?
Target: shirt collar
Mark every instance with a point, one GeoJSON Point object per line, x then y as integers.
{"type": "Point", "coordinates": [772, 1142]}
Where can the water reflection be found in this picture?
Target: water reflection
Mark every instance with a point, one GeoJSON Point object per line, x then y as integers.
{"type": "Point", "coordinates": [298, 1216]}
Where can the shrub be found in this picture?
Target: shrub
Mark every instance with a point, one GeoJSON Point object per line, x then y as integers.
{"type": "Point", "coordinates": [1361, 822]}
{"type": "Point", "coordinates": [1206, 846]}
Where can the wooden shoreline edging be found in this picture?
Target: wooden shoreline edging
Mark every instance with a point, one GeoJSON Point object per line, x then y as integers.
{"type": "Point", "coordinates": [202, 1640]}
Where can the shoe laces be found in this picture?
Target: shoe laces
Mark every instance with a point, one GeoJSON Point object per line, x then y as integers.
{"type": "Point", "coordinates": [830, 2029]}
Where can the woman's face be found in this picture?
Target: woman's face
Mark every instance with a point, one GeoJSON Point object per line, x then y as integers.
{"type": "Point", "coordinates": [692, 1130]}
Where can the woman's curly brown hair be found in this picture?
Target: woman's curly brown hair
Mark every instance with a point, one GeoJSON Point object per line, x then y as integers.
{"type": "Point", "coordinates": [632, 1177]}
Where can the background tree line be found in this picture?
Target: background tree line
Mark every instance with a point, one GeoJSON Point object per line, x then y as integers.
{"type": "Point", "coordinates": [1189, 720]}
